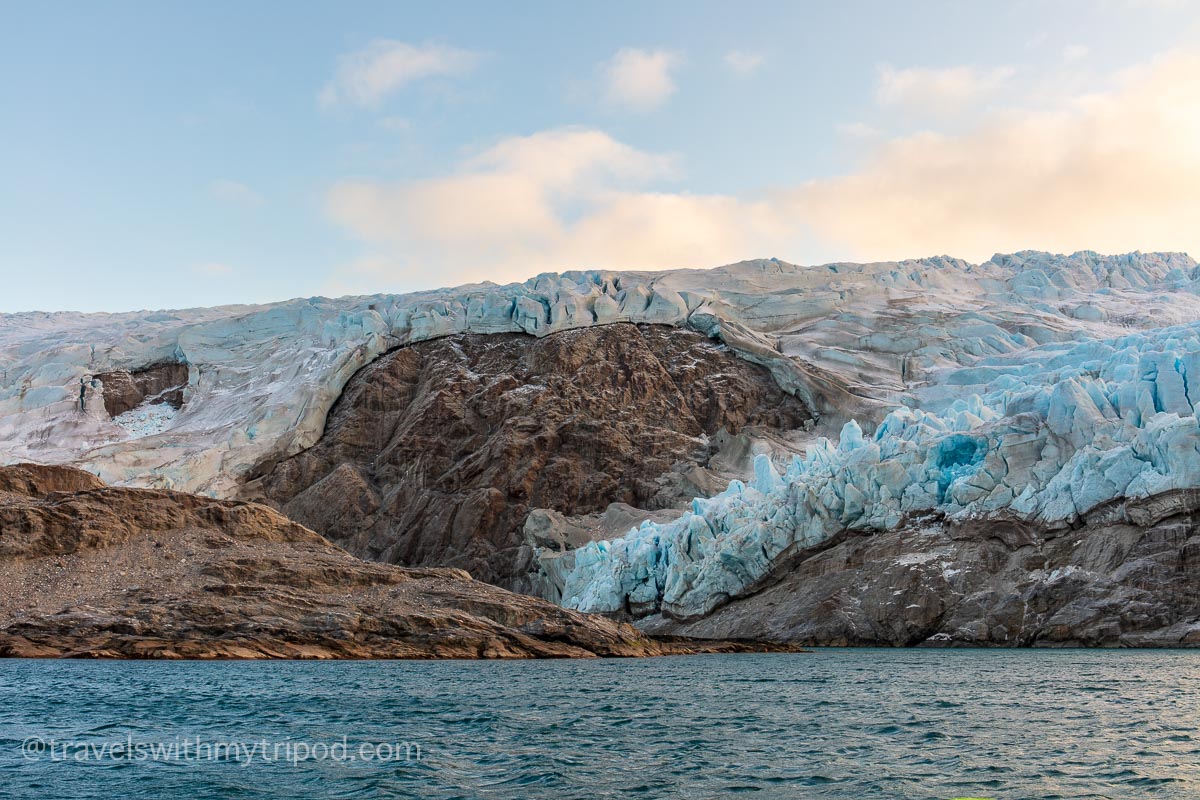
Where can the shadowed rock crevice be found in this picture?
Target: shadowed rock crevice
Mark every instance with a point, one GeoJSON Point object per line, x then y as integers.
{"type": "Point", "coordinates": [437, 452]}
{"type": "Point", "coordinates": [125, 390]}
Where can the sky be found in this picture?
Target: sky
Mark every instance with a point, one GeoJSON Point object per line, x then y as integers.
{"type": "Point", "coordinates": [173, 155]}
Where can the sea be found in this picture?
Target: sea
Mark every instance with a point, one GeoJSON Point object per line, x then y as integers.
{"type": "Point", "coordinates": [831, 723]}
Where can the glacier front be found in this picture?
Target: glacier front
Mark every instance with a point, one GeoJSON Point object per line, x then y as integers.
{"type": "Point", "coordinates": [1056, 432]}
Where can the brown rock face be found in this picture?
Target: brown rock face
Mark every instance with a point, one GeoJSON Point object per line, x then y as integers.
{"type": "Point", "coordinates": [436, 453]}
{"type": "Point", "coordinates": [1129, 576]}
{"type": "Point", "coordinates": [36, 480]}
{"type": "Point", "coordinates": [158, 383]}
{"type": "Point", "coordinates": [134, 573]}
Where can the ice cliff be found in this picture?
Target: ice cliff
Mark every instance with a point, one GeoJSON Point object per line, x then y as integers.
{"type": "Point", "coordinates": [1034, 384]}
{"type": "Point", "coordinates": [1054, 432]}
{"type": "Point", "coordinates": [1032, 428]}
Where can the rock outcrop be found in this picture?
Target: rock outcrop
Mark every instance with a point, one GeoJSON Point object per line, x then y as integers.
{"type": "Point", "coordinates": [437, 452]}
{"type": "Point", "coordinates": [1127, 576]}
{"type": "Point", "coordinates": [125, 390]}
{"type": "Point", "coordinates": [38, 480]}
{"type": "Point", "coordinates": [97, 571]}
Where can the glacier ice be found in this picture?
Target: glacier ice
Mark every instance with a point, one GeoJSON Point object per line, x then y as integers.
{"type": "Point", "coordinates": [146, 419]}
{"type": "Point", "coordinates": [1057, 431]}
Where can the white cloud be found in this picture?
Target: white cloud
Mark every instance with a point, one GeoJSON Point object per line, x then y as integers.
{"type": "Point", "coordinates": [744, 63]}
{"type": "Point", "coordinates": [236, 192]}
{"type": "Point", "coordinates": [1075, 52]}
{"type": "Point", "coordinates": [640, 80]}
{"type": "Point", "coordinates": [367, 76]}
{"type": "Point", "coordinates": [860, 131]}
{"type": "Point", "coordinates": [1112, 171]}
{"type": "Point", "coordinates": [560, 199]}
{"type": "Point", "coordinates": [925, 89]}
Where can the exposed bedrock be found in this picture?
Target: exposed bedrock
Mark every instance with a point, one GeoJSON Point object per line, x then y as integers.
{"type": "Point", "coordinates": [158, 383]}
{"type": "Point", "coordinates": [437, 452]}
{"type": "Point", "coordinates": [37, 480]}
{"type": "Point", "coordinates": [1128, 575]}
{"type": "Point", "coordinates": [104, 572]}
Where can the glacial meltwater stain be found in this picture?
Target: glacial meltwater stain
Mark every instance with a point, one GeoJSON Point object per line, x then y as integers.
{"type": "Point", "coordinates": [894, 724]}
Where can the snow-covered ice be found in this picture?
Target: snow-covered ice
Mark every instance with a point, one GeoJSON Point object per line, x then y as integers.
{"type": "Point", "coordinates": [146, 419]}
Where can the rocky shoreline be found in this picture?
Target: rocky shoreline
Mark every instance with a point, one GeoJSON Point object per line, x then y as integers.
{"type": "Point", "coordinates": [93, 571]}
{"type": "Point", "coordinates": [1125, 576]}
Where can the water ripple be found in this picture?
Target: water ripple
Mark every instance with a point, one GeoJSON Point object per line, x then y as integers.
{"type": "Point", "coordinates": [894, 724]}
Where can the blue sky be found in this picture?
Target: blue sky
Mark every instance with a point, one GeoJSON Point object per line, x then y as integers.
{"type": "Point", "coordinates": [180, 154]}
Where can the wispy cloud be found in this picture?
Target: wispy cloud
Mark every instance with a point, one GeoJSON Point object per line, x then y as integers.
{"type": "Point", "coordinates": [744, 63]}
{"type": "Point", "coordinates": [366, 77]}
{"type": "Point", "coordinates": [860, 131]}
{"type": "Point", "coordinates": [555, 200]}
{"type": "Point", "coordinates": [937, 90]}
{"type": "Point", "coordinates": [1075, 52]}
{"type": "Point", "coordinates": [1111, 170]}
{"type": "Point", "coordinates": [235, 192]}
{"type": "Point", "coordinates": [640, 80]}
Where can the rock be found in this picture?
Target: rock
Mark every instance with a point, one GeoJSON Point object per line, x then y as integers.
{"type": "Point", "coordinates": [124, 390]}
{"type": "Point", "coordinates": [548, 529]}
{"type": "Point", "coordinates": [994, 583]}
{"type": "Point", "coordinates": [107, 572]}
{"type": "Point", "coordinates": [36, 480]}
{"type": "Point", "coordinates": [437, 453]}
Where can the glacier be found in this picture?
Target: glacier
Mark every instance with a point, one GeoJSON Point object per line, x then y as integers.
{"type": "Point", "coordinates": [1036, 385]}
{"type": "Point", "coordinates": [1058, 431]}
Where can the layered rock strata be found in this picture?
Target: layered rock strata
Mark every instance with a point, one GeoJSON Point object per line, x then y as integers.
{"type": "Point", "coordinates": [103, 572]}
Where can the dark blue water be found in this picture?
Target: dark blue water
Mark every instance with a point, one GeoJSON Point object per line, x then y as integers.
{"type": "Point", "coordinates": [831, 724]}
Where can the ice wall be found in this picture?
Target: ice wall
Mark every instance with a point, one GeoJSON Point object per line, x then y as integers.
{"type": "Point", "coordinates": [1056, 431]}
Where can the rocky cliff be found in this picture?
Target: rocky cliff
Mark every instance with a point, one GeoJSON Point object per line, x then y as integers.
{"type": "Point", "coordinates": [1128, 575]}
{"type": "Point", "coordinates": [437, 452]}
{"type": "Point", "coordinates": [97, 571]}
{"type": "Point", "coordinates": [155, 384]}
